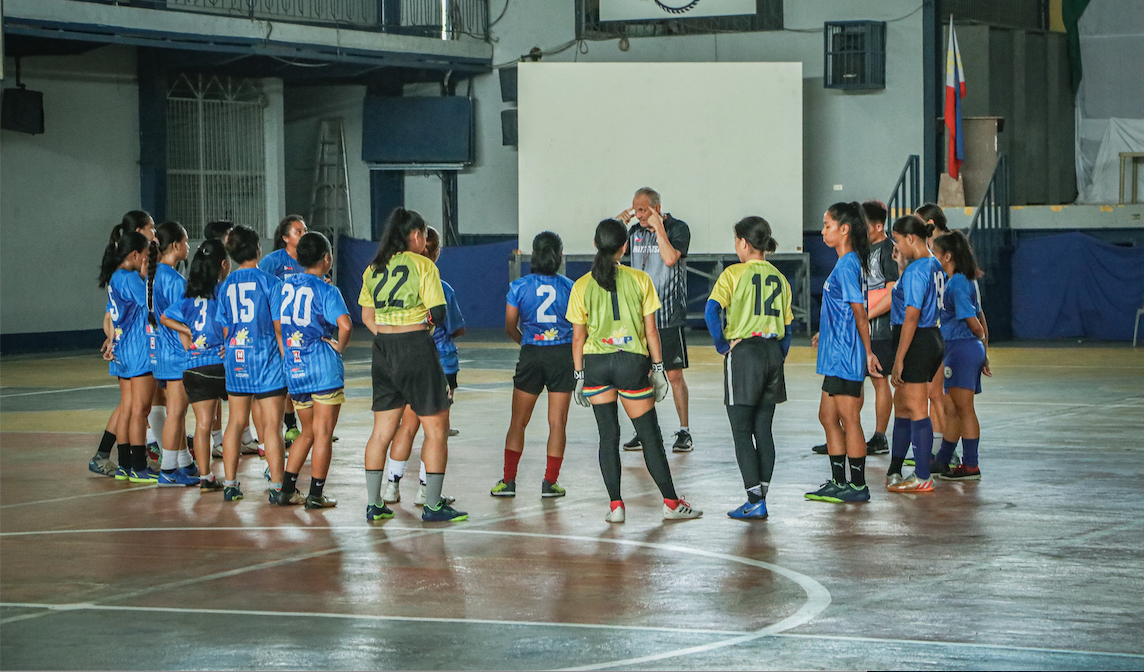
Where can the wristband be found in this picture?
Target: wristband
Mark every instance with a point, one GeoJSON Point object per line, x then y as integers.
{"type": "Point", "coordinates": [578, 375]}
{"type": "Point", "coordinates": [657, 367]}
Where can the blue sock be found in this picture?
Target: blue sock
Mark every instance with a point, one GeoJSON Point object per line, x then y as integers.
{"type": "Point", "coordinates": [945, 454]}
{"type": "Point", "coordinates": [902, 430]}
{"type": "Point", "coordinates": [921, 432]}
{"type": "Point", "coordinates": [969, 459]}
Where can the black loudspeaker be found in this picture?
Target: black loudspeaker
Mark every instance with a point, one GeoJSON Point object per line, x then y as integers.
{"type": "Point", "coordinates": [508, 84]}
{"type": "Point", "coordinates": [508, 127]}
{"type": "Point", "coordinates": [22, 110]}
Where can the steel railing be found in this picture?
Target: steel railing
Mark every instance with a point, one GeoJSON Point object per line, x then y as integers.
{"type": "Point", "coordinates": [907, 193]}
{"type": "Point", "coordinates": [989, 231]}
{"type": "Point", "coordinates": [441, 19]}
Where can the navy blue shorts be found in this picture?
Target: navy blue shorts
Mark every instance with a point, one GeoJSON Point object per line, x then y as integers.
{"type": "Point", "coordinates": [964, 359]}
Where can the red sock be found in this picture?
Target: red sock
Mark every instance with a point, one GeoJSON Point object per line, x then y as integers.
{"type": "Point", "coordinates": [511, 459]}
{"type": "Point", "coordinates": [672, 504]}
{"type": "Point", "coordinates": [552, 470]}
{"type": "Point", "coordinates": [617, 504]}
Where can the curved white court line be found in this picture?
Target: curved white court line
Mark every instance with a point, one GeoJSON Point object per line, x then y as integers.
{"type": "Point", "coordinates": [818, 597]}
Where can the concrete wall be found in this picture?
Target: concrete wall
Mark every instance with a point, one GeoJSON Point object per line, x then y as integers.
{"type": "Point", "coordinates": [62, 192]}
{"type": "Point", "coordinates": [857, 141]}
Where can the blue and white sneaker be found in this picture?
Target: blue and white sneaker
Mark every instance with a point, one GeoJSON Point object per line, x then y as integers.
{"type": "Point", "coordinates": [192, 470]}
{"type": "Point", "coordinates": [102, 466]}
{"type": "Point", "coordinates": [749, 511]}
{"type": "Point", "coordinates": [178, 478]}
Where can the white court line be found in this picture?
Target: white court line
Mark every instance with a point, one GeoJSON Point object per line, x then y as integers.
{"type": "Point", "coordinates": [71, 497]}
{"type": "Point", "coordinates": [70, 389]}
{"type": "Point", "coordinates": [83, 606]}
{"type": "Point", "coordinates": [972, 645]}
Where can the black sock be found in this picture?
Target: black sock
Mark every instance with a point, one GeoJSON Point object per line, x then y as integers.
{"type": "Point", "coordinates": [881, 434]}
{"type": "Point", "coordinates": [608, 424]}
{"type": "Point", "coordinates": [124, 455]}
{"type": "Point", "coordinates": [896, 465]}
{"type": "Point", "coordinates": [316, 485]}
{"type": "Point", "coordinates": [838, 468]}
{"type": "Point", "coordinates": [138, 458]}
{"type": "Point", "coordinates": [858, 471]}
{"type": "Point", "coordinates": [105, 444]}
{"type": "Point", "coordinates": [754, 497]}
{"type": "Point", "coordinates": [290, 483]}
{"type": "Point", "coordinates": [647, 428]}
{"type": "Point", "coordinates": [291, 421]}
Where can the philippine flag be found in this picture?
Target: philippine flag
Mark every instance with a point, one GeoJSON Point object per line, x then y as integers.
{"type": "Point", "coordinates": [954, 92]}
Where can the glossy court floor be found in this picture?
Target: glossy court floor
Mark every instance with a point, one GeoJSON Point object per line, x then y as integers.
{"type": "Point", "coordinates": [1037, 566]}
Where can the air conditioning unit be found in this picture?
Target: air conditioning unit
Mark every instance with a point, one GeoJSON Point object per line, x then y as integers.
{"type": "Point", "coordinates": [854, 57]}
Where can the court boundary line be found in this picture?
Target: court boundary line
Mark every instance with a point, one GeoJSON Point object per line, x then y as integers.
{"type": "Point", "coordinates": [976, 645]}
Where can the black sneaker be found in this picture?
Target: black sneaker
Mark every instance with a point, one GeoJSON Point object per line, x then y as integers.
{"type": "Point", "coordinates": [213, 485]}
{"type": "Point", "coordinates": [634, 444]}
{"type": "Point", "coordinates": [683, 443]}
{"type": "Point", "coordinates": [279, 498]}
{"type": "Point", "coordinates": [877, 445]}
{"type": "Point", "coordinates": [939, 470]}
{"type": "Point", "coordinates": [548, 490]}
{"type": "Point", "coordinates": [819, 449]}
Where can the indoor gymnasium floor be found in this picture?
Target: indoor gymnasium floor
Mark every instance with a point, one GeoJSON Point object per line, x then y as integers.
{"type": "Point", "coordinates": [1037, 566]}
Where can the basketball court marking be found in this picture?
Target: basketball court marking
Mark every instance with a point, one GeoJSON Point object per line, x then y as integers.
{"type": "Point", "coordinates": [972, 645]}
{"type": "Point", "coordinates": [71, 497]}
{"type": "Point", "coordinates": [61, 391]}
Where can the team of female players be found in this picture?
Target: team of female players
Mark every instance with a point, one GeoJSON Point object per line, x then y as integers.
{"type": "Point", "coordinates": [261, 331]}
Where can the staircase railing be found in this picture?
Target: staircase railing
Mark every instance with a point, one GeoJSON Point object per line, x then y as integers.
{"type": "Point", "coordinates": [907, 193]}
{"type": "Point", "coordinates": [989, 231]}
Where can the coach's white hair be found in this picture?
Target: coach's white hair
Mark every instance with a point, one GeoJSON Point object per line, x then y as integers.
{"type": "Point", "coordinates": [652, 195]}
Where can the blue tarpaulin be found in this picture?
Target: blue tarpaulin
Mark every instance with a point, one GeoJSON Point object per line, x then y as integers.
{"type": "Point", "coordinates": [1075, 286]}
{"type": "Point", "coordinates": [477, 273]}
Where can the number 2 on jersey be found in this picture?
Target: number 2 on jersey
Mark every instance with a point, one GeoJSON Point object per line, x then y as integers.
{"type": "Point", "coordinates": [402, 275]}
{"type": "Point", "coordinates": [542, 314]}
{"type": "Point", "coordinates": [302, 300]}
{"type": "Point", "coordinates": [766, 307]}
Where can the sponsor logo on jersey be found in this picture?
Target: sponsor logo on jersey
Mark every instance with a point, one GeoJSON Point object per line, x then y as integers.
{"type": "Point", "coordinates": [619, 337]}
{"type": "Point", "coordinates": [152, 339]}
{"type": "Point", "coordinates": [294, 340]}
{"type": "Point", "coordinates": [550, 335]}
{"type": "Point", "coordinates": [118, 333]}
{"type": "Point", "coordinates": [239, 356]}
{"type": "Point", "coordinates": [241, 337]}
{"type": "Point", "coordinates": [199, 343]}
{"type": "Point", "coordinates": [948, 372]}
{"type": "Point", "coordinates": [297, 358]}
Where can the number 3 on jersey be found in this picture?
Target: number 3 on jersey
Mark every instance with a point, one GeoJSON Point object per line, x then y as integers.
{"type": "Point", "coordinates": [400, 276]}
{"type": "Point", "coordinates": [302, 300]}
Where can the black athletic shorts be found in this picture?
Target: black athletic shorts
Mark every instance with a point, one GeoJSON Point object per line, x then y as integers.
{"type": "Point", "coordinates": [834, 386]}
{"type": "Point", "coordinates": [924, 358]}
{"type": "Point", "coordinates": [753, 373]}
{"type": "Point", "coordinates": [626, 372]}
{"type": "Point", "coordinates": [205, 383]}
{"type": "Point", "coordinates": [673, 342]}
{"type": "Point", "coordinates": [883, 349]}
{"type": "Point", "coordinates": [544, 366]}
{"type": "Point", "coordinates": [280, 392]}
{"type": "Point", "coordinates": [406, 371]}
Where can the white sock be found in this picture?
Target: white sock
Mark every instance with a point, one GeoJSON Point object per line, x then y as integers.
{"type": "Point", "coordinates": [396, 469]}
{"type": "Point", "coordinates": [170, 460]}
{"type": "Point", "coordinates": [685, 428]}
{"type": "Point", "coordinates": [155, 420]}
{"type": "Point", "coordinates": [248, 434]}
{"type": "Point", "coordinates": [216, 437]}
{"type": "Point", "coordinates": [185, 459]}
{"type": "Point", "coordinates": [422, 473]}
{"type": "Point", "coordinates": [210, 477]}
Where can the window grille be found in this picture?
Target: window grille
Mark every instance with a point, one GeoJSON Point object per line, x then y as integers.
{"type": "Point", "coordinates": [216, 154]}
{"type": "Point", "coordinates": [855, 55]}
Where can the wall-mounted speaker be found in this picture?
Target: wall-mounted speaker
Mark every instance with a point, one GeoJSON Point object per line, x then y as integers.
{"type": "Point", "coordinates": [508, 127]}
{"type": "Point", "coordinates": [22, 110]}
{"type": "Point", "coordinates": [508, 84]}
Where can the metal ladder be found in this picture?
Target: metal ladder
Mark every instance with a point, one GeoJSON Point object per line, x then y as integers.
{"type": "Point", "coordinates": [330, 211]}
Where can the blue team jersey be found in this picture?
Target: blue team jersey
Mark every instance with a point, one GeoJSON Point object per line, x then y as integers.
{"type": "Point", "coordinates": [280, 264]}
{"type": "Point", "coordinates": [897, 305]}
{"type": "Point", "coordinates": [542, 301]}
{"type": "Point", "coordinates": [127, 303]}
{"type": "Point", "coordinates": [840, 349]}
{"type": "Point", "coordinates": [443, 334]}
{"type": "Point", "coordinates": [922, 283]}
{"type": "Point", "coordinates": [206, 333]}
{"type": "Point", "coordinates": [309, 309]}
{"type": "Point", "coordinates": [249, 301]}
{"type": "Point", "coordinates": [959, 301]}
{"type": "Point", "coordinates": [168, 358]}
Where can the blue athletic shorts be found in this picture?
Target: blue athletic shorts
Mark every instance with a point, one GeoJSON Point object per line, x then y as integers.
{"type": "Point", "coordinates": [964, 359]}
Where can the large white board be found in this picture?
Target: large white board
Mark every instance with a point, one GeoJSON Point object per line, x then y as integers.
{"type": "Point", "coordinates": [635, 10]}
{"type": "Point", "coordinates": [719, 141]}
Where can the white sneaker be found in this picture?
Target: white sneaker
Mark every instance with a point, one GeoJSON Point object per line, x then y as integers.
{"type": "Point", "coordinates": [419, 500]}
{"type": "Point", "coordinates": [893, 480]}
{"type": "Point", "coordinates": [682, 511]}
{"type": "Point", "coordinates": [249, 448]}
{"type": "Point", "coordinates": [216, 450]}
{"type": "Point", "coordinates": [392, 494]}
{"type": "Point", "coordinates": [616, 515]}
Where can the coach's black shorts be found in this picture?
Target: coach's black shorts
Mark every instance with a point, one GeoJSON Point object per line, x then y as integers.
{"type": "Point", "coordinates": [834, 386]}
{"type": "Point", "coordinates": [673, 342]}
{"type": "Point", "coordinates": [753, 373]}
{"type": "Point", "coordinates": [205, 383]}
{"type": "Point", "coordinates": [626, 372]}
{"type": "Point", "coordinates": [883, 349]}
{"type": "Point", "coordinates": [544, 366]}
{"type": "Point", "coordinates": [924, 358]}
{"type": "Point", "coordinates": [406, 371]}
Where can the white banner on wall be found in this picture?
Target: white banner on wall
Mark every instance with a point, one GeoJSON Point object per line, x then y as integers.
{"type": "Point", "coordinates": [642, 10]}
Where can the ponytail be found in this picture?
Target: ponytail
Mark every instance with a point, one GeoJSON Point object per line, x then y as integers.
{"type": "Point", "coordinates": [152, 266]}
{"type": "Point", "coordinates": [205, 270]}
{"type": "Point", "coordinates": [122, 244]}
{"type": "Point", "coordinates": [400, 224]}
{"type": "Point", "coordinates": [611, 236]}
{"type": "Point", "coordinates": [931, 212]}
{"type": "Point", "coordinates": [757, 232]}
{"type": "Point", "coordinates": [913, 225]}
{"type": "Point", "coordinates": [964, 260]}
{"type": "Point", "coordinates": [852, 215]}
